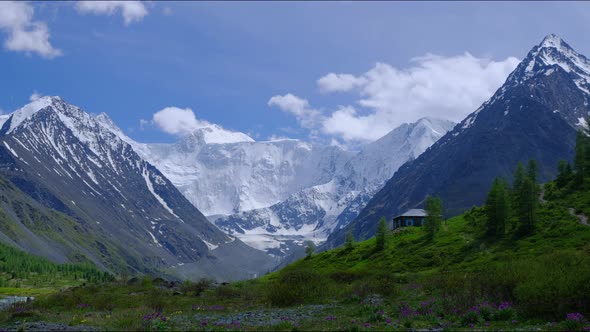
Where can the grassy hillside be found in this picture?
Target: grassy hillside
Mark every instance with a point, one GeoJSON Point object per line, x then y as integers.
{"type": "Point", "coordinates": [460, 279]}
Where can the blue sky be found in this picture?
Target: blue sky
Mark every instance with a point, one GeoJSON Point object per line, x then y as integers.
{"type": "Point", "coordinates": [254, 66]}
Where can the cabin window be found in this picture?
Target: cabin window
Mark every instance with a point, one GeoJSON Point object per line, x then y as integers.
{"type": "Point", "coordinates": [409, 222]}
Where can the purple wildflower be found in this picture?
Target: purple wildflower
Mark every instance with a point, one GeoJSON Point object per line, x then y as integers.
{"type": "Point", "coordinates": [330, 317]}
{"type": "Point", "coordinates": [575, 317]}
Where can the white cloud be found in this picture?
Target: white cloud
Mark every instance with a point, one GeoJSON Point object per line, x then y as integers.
{"type": "Point", "coordinates": [34, 96]}
{"type": "Point", "coordinates": [277, 138]}
{"type": "Point", "coordinates": [177, 121]}
{"type": "Point", "coordinates": [24, 34]}
{"type": "Point", "coordinates": [132, 11]}
{"type": "Point", "coordinates": [339, 82]}
{"type": "Point", "coordinates": [305, 115]}
{"type": "Point", "coordinates": [143, 123]}
{"type": "Point", "coordinates": [435, 86]}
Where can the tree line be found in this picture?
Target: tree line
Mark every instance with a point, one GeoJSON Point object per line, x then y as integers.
{"type": "Point", "coordinates": [16, 264]}
{"type": "Point", "coordinates": [513, 208]}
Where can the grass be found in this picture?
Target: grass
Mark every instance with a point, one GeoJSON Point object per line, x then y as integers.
{"type": "Point", "coordinates": [412, 283]}
{"type": "Point", "coordinates": [458, 280]}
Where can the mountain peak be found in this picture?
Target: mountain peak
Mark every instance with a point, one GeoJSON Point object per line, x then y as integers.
{"type": "Point", "coordinates": [552, 40]}
{"type": "Point", "coordinates": [552, 54]}
{"type": "Point", "coordinates": [215, 134]}
{"type": "Point", "coordinates": [25, 112]}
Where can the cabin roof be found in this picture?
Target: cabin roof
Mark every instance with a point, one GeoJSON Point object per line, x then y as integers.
{"type": "Point", "coordinates": [413, 213]}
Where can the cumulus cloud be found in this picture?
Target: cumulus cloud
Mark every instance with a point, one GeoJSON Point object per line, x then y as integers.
{"type": "Point", "coordinates": [177, 121]}
{"type": "Point", "coordinates": [340, 82]}
{"type": "Point", "coordinates": [25, 34]}
{"type": "Point", "coordinates": [132, 11]}
{"type": "Point", "coordinates": [434, 86]}
{"type": "Point", "coordinates": [305, 115]}
{"type": "Point", "coordinates": [34, 96]}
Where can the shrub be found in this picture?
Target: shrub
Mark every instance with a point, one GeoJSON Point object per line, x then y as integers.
{"type": "Point", "coordinates": [196, 288]}
{"type": "Point", "coordinates": [298, 287]}
{"type": "Point", "coordinates": [471, 317]}
{"type": "Point", "coordinates": [574, 321]}
{"type": "Point", "coordinates": [505, 312]}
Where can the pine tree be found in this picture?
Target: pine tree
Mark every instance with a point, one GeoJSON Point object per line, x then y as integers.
{"type": "Point", "coordinates": [532, 170]}
{"type": "Point", "coordinates": [519, 177]}
{"type": "Point", "coordinates": [526, 197]}
{"type": "Point", "coordinates": [581, 158]}
{"type": "Point", "coordinates": [380, 234]}
{"type": "Point", "coordinates": [309, 249]}
{"type": "Point", "coordinates": [349, 244]}
{"type": "Point", "coordinates": [564, 173]}
{"type": "Point", "coordinates": [434, 211]}
{"type": "Point", "coordinates": [497, 208]}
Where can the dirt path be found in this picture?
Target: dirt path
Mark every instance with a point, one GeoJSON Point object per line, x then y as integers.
{"type": "Point", "coordinates": [581, 218]}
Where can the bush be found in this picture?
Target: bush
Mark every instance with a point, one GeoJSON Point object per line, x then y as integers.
{"type": "Point", "coordinates": [298, 287]}
{"type": "Point", "coordinates": [195, 288]}
{"type": "Point", "coordinates": [574, 321]}
{"type": "Point", "coordinates": [471, 317]}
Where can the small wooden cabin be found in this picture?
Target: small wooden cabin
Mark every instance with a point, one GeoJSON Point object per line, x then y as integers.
{"type": "Point", "coordinates": [413, 217]}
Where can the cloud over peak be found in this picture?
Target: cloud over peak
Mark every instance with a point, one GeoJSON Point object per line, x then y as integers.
{"type": "Point", "coordinates": [177, 121]}
{"type": "Point", "coordinates": [305, 115]}
{"type": "Point", "coordinates": [431, 86]}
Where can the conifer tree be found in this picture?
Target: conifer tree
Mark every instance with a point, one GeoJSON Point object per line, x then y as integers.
{"type": "Point", "coordinates": [380, 234]}
{"type": "Point", "coordinates": [309, 249]}
{"type": "Point", "coordinates": [532, 170]}
{"type": "Point", "coordinates": [564, 173]}
{"type": "Point", "coordinates": [582, 158]}
{"type": "Point", "coordinates": [349, 244]}
{"type": "Point", "coordinates": [497, 208]}
{"type": "Point", "coordinates": [526, 197]}
{"type": "Point", "coordinates": [434, 211]}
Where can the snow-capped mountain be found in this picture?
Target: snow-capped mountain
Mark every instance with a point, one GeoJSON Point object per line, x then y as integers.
{"type": "Point", "coordinates": [534, 115]}
{"type": "Point", "coordinates": [227, 178]}
{"type": "Point", "coordinates": [276, 194]}
{"type": "Point", "coordinates": [128, 215]}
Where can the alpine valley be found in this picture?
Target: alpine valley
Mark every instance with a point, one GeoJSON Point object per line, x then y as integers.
{"type": "Point", "coordinates": [434, 226]}
{"type": "Point", "coordinates": [84, 191]}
